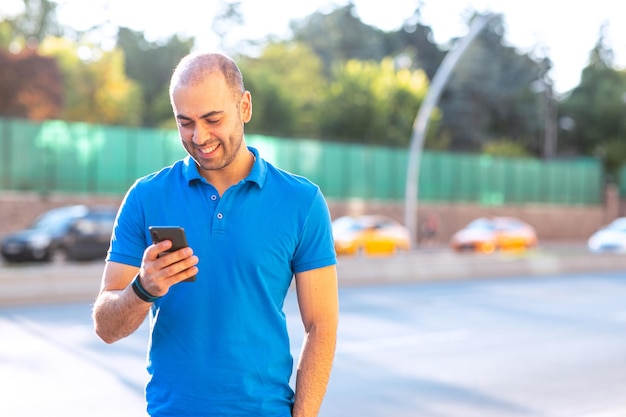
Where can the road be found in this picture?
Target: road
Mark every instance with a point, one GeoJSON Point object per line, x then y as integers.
{"type": "Point", "coordinates": [545, 347]}
{"type": "Point", "coordinates": [550, 346]}
{"type": "Point", "coordinates": [75, 282]}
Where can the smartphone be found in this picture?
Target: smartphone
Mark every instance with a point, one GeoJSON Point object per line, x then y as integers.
{"type": "Point", "coordinates": [175, 234]}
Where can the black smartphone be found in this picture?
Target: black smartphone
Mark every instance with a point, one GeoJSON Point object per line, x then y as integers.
{"type": "Point", "coordinates": [176, 234]}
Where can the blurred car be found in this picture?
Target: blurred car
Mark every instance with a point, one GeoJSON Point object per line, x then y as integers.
{"type": "Point", "coordinates": [610, 238]}
{"type": "Point", "coordinates": [369, 235]}
{"type": "Point", "coordinates": [72, 232]}
{"type": "Point", "coordinates": [487, 235]}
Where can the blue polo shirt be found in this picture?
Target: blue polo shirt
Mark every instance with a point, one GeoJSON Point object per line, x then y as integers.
{"type": "Point", "coordinates": [219, 346]}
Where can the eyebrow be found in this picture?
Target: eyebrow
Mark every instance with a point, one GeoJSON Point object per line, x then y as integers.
{"type": "Point", "coordinates": [204, 116]}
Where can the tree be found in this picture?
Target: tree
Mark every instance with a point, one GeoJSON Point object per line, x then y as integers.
{"type": "Point", "coordinates": [30, 86]}
{"type": "Point", "coordinates": [340, 36]}
{"type": "Point", "coordinates": [415, 42]}
{"type": "Point", "coordinates": [597, 107]}
{"type": "Point", "coordinates": [286, 82]}
{"type": "Point", "coordinates": [96, 90]}
{"type": "Point", "coordinates": [7, 34]}
{"type": "Point", "coordinates": [488, 96]}
{"type": "Point", "coordinates": [227, 17]}
{"type": "Point", "coordinates": [372, 103]}
{"type": "Point", "coordinates": [505, 148]}
{"type": "Point", "coordinates": [150, 65]}
{"type": "Point", "coordinates": [37, 20]}
{"type": "Point", "coordinates": [273, 110]}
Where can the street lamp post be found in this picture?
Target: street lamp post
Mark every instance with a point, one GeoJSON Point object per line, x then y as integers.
{"type": "Point", "coordinates": [423, 115]}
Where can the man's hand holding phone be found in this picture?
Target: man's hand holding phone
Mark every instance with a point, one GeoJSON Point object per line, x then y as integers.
{"type": "Point", "coordinates": [175, 234]}
{"type": "Point", "coordinates": [168, 261]}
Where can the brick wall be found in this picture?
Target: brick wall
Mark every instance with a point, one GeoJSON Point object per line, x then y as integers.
{"type": "Point", "coordinates": [18, 210]}
{"type": "Point", "coordinates": [553, 223]}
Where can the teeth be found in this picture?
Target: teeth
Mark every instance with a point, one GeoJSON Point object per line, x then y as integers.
{"type": "Point", "coordinates": [209, 150]}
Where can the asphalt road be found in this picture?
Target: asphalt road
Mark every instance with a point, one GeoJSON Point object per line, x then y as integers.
{"type": "Point", "coordinates": [551, 346]}
{"type": "Point", "coordinates": [69, 282]}
{"type": "Point", "coordinates": [545, 347]}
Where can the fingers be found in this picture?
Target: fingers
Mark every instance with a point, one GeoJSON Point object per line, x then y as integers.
{"type": "Point", "coordinates": [176, 266]}
{"type": "Point", "coordinates": [156, 249]}
{"type": "Point", "coordinates": [160, 270]}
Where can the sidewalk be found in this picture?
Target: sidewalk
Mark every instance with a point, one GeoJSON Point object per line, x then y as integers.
{"type": "Point", "coordinates": [76, 282]}
{"type": "Point", "coordinates": [436, 265]}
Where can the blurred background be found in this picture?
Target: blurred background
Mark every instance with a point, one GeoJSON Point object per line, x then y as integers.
{"type": "Point", "coordinates": [522, 180]}
{"type": "Point", "coordinates": [529, 125]}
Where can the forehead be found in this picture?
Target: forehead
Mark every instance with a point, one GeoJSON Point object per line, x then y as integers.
{"type": "Point", "coordinates": [210, 93]}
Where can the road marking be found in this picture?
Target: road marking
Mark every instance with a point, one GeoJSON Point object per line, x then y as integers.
{"type": "Point", "coordinates": [402, 341]}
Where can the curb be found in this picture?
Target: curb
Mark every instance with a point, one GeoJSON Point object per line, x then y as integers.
{"type": "Point", "coordinates": [450, 266]}
{"type": "Point", "coordinates": [46, 283]}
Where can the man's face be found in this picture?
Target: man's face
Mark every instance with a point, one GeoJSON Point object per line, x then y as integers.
{"type": "Point", "coordinates": [210, 121]}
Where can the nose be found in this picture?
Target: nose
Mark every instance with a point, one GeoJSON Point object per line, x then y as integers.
{"type": "Point", "coordinates": [201, 134]}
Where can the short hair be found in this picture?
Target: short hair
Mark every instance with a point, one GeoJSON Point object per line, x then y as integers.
{"type": "Point", "coordinates": [193, 68]}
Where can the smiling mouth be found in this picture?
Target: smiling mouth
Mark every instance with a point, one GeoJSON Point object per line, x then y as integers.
{"type": "Point", "coordinates": [206, 151]}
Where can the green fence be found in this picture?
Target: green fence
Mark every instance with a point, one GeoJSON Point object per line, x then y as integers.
{"type": "Point", "coordinates": [621, 181]}
{"type": "Point", "coordinates": [57, 156]}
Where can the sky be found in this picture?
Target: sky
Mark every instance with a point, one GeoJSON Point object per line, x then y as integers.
{"type": "Point", "coordinates": [565, 30]}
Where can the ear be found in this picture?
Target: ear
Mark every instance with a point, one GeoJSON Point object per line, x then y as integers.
{"type": "Point", "coordinates": [245, 107]}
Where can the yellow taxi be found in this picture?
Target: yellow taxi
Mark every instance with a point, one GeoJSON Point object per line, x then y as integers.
{"type": "Point", "coordinates": [372, 234]}
{"type": "Point", "coordinates": [487, 235]}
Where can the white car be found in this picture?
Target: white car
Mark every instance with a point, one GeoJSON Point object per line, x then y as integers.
{"type": "Point", "coordinates": [611, 238]}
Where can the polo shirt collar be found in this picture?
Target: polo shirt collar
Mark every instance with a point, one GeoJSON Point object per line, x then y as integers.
{"type": "Point", "coordinates": [259, 169]}
{"type": "Point", "coordinates": [190, 170]}
{"type": "Point", "coordinates": [257, 174]}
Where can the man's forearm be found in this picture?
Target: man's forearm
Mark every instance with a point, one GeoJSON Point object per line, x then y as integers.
{"type": "Point", "coordinates": [314, 370]}
{"type": "Point", "coordinates": [117, 314]}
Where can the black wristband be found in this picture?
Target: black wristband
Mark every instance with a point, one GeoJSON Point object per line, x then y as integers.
{"type": "Point", "coordinates": [141, 292]}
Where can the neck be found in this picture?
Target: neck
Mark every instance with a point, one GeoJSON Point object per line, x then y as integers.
{"type": "Point", "coordinates": [232, 174]}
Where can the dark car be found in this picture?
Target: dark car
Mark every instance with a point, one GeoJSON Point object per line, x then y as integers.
{"type": "Point", "coordinates": [73, 232]}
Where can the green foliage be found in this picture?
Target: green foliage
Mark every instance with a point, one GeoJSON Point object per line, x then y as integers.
{"type": "Point", "coordinates": [286, 83]}
{"type": "Point", "coordinates": [597, 107]}
{"type": "Point", "coordinates": [96, 90]}
{"type": "Point", "coordinates": [150, 64]}
{"type": "Point", "coordinates": [415, 42]}
{"type": "Point", "coordinates": [506, 148]}
{"type": "Point", "coordinates": [7, 34]}
{"type": "Point", "coordinates": [488, 95]}
{"type": "Point", "coordinates": [272, 108]}
{"type": "Point", "coordinates": [613, 155]}
{"type": "Point", "coordinates": [337, 79]}
{"type": "Point", "coordinates": [340, 36]}
{"type": "Point", "coordinates": [371, 102]}
{"type": "Point", "coordinates": [37, 21]}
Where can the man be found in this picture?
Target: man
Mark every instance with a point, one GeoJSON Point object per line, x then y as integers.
{"type": "Point", "coordinates": [219, 345]}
